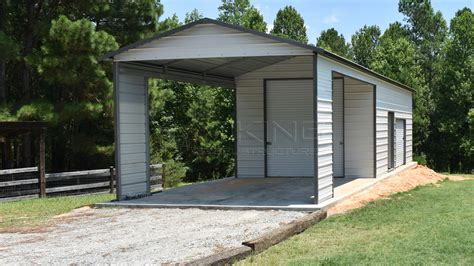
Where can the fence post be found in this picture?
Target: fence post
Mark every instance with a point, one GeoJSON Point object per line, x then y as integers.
{"type": "Point", "coordinates": [112, 178]}
{"type": "Point", "coordinates": [42, 163]}
{"type": "Point", "coordinates": [163, 176]}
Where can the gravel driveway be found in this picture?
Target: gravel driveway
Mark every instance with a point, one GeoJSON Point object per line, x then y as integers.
{"type": "Point", "coordinates": [144, 236]}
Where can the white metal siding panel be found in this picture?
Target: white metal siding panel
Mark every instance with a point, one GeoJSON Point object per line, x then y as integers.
{"type": "Point", "coordinates": [132, 140]}
{"type": "Point", "coordinates": [359, 129]}
{"type": "Point", "coordinates": [382, 141]}
{"type": "Point", "coordinates": [250, 126]}
{"type": "Point", "coordinates": [338, 126]}
{"type": "Point", "coordinates": [325, 142]}
{"type": "Point", "coordinates": [210, 41]}
{"type": "Point", "coordinates": [389, 98]}
{"type": "Point", "coordinates": [290, 128]}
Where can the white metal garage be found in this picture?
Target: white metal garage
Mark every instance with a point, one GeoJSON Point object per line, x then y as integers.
{"type": "Point", "coordinates": [301, 111]}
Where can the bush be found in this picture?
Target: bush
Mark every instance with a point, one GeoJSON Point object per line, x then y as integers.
{"type": "Point", "coordinates": [420, 159]}
{"type": "Point", "coordinates": [174, 173]}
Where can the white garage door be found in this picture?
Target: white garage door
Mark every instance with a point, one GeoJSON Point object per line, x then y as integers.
{"type": "Point", "coordinates": [289, 114]}
{"type": "Point", "coordinates": [399, 142]}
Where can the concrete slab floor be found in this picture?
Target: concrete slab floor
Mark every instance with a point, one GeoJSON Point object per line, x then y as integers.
{"type": "Point", "coordinates": [252, 193]}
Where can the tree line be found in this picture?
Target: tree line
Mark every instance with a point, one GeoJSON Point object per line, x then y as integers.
{"type": "Point", "coordinates": [49, 71]}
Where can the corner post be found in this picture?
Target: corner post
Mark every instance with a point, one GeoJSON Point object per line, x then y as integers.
{"type": "Point", "coordinates": [118, 183]}
{"type": "Point", "coordinates": [315, 127]}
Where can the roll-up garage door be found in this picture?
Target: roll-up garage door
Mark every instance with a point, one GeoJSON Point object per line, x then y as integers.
{"type": "Point", "coordinates": [289, 117]}
{"type": "Point", "coordinates": [399, 142]}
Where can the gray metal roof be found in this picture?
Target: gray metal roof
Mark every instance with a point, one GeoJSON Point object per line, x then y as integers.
{"type": "Point", "coordinates": [231, 67]}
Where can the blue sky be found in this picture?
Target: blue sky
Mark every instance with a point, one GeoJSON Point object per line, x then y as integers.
{"type": "Point", "coordinates": [346, 16]}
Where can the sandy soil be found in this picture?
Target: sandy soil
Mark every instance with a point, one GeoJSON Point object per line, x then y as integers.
{"type": "Point", "coordinates": [130, 236]}
{"type": "Point", "coordinates": [407, 180]}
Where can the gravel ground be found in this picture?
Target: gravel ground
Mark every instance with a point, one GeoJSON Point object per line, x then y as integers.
{"type": "Point", "coordinates": [144, 236]}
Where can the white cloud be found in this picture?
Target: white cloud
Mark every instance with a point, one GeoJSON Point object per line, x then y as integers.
{"type": "Point", "coordinates": [331, 19]}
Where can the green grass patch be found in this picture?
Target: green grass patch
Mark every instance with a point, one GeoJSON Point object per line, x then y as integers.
{"type": "Point", "coordinates": [433, 224]}
{"type": "Point", "coordinates": [36, 212]}
{"type": "Point", "coordinates": [460, 174]}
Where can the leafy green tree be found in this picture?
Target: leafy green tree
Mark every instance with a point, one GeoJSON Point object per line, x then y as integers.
{"type": "Point", "coordinates": [427, 30]}
{"type": "Point", "coordinates": [454, 99]}
{"type": "Point", "coordinates": [253, 19]}
{"type": "Point", "coordinates": [233, 11]}
{"type": "Point", "coordinates": [290, 24]}
{"type": "Point", "coordinates": [169, 23]}
{"type": "Point", "coordinates": [334, 42]}
{"type": "Point", "coordinates": [395, 31]}
{"type": "Point", "coordinates": [364, 43]}
{"type": "Point", "coordinates": [241, 12]}
{"type": "Point", "coordinates": [192, 16]}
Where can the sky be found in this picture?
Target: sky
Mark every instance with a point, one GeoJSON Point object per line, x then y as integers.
{"type": "Point", "coordinates": [346, 16]}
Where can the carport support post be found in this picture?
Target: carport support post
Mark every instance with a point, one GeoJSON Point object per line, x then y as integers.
{"type": "Point", "coordinates": [315, 127]}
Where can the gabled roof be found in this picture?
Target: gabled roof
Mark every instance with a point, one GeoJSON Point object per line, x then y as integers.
{"type": "Point", "coordinates": [314, 49]}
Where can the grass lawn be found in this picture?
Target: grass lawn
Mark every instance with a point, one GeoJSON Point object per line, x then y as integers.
{"type": "Point", "coordinates": [36, 212]}
{"type": "Point", "coordinates": [432, 224]}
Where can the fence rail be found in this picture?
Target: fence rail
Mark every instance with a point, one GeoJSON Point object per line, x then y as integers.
{"type": "Point", "coordinates": [24, 182]}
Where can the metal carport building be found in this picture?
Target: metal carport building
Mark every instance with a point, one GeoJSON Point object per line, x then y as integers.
{"type": "Point", "coordinates": [301, 111]}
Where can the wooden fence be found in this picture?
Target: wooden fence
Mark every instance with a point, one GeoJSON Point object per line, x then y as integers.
{"type": "Point", "coordinates": [25, 182]}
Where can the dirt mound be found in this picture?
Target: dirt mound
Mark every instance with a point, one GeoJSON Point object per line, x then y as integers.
{"type": "Point", "coordinates": [407, 180]}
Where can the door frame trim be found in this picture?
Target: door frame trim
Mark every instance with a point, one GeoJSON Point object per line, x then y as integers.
{"type": "Point", "coordinates": [265, 172]}
{"type": "Point", "coordinates": [391, 142]}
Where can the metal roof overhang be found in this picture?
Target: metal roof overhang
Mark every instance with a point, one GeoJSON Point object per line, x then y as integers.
{"type": "Point", "coordinates": [209, 71]}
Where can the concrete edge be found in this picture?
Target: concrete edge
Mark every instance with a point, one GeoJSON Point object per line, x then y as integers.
{"type": "Point", "coordinates": [309, 208]}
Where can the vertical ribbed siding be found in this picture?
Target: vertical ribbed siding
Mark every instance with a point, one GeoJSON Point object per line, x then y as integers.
{"type": "Point", "coordinates": [250, 129]}
{"type": "Point", "coordinates": [132, 143]}
{"type": "Point", "coordinates": [382, 141]}
{"type": "Point", "coordinates": [325, 127]}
